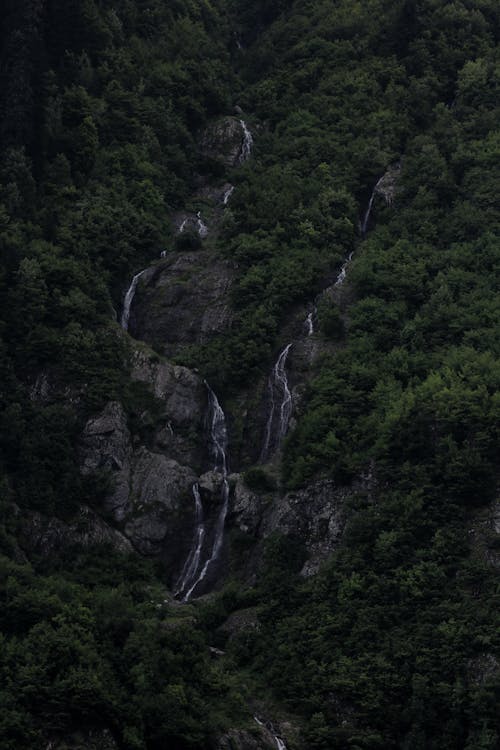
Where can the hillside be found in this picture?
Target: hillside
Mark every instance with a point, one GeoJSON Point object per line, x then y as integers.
{"type": "Point", "coordinates": [249, 393]}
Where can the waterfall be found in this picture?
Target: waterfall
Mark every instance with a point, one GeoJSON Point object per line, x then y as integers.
{"type": "Point", "coordinates": [218, 447]}
{"type": "Point", "coordinates": [309, 323]}
{"type": "Point", "coordinates": [127, 304]}
{"type": "Point", "coordinates": [227, 194]}
{"type": "Point", "coordinates": [343, 271]}
{"type": "Point", "coordinates": [246, 146]}
{"type": "Point", "coordinates": [202, 228]}
{"type": "Point", "coordinates": [280, 744]}
{"type": "Point", "coordinates": [278, 384]}
{"type": "Point", "coordinates": [364, 223]}
{"type": "Point", "coordinates": [183, 226]}
{"type": "Point", "coordinates": [192, 563]}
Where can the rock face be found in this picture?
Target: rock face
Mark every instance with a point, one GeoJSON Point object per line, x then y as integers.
{"type": "Point", "coordinates": [388, 185]}
{"type": "Point", "coordinates": [46, 536]}
{"type": "Point", "coordinates": [185, 302]}
{"type": "Point", "coordinates": [223, 141]}
{"type": "Point", "coordinates": [150, 496]}
{"type": "Point", "coordinates": [315, 515]}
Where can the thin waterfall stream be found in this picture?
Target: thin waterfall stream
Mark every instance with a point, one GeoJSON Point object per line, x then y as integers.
{"type": "Point", "coordinates": [280, 743]}
{"type": "Point", "coordinates": [218, 446]}
{"type": "Point", "coordinates": [129, 298]}
{"type": "Point", "coordinates": [364, 228]}
{"type": "Point", "coordinates": [193, 560]}
{"type": "Point", "coordinates": [309, 323]}
{"type": "Point", "coordinates": [366, 218]}
{"type": "Point", "coordinates": [227, 195]}
{"type": "Point", "coordinates": [279, 393]}
{"type": "Point", "coordinates": [247, 144]}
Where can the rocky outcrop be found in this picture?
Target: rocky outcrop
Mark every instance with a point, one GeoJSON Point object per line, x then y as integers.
{"type": "Point", "coordinates": [159, 490]}
{"type": "Point", "coordinates": [186, 301]}
{"type": "Point", "coordinates": [150, 485]}
{"type": "Point", "coordinates": [316, 515]}
{"type": "Point", "coordinates": [483, 669]}
{"type": "Point", "coordinates": [388, 185]}
{"type": "Point", "coordinates": [107, 448]}
{"type": "Point", "coordinates": [45, 536]}
{"type": "Point", "coordinates": [223, 141]}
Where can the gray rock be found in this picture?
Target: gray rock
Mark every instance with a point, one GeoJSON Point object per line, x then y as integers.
{"type": "Point", "coordinates": [45, 536]}
{"type": "Point", "coordinates": [240, 621]}
{"type": "Point", "coordinates": [160, 488]}
{"type": "Point", "coordinates": [247, 506]}
{"type": "Point", "coordinates": [222, 140]}
{"type": "Point", "coordinates": [483, 669]}
{"type": "Point", "coordinates": [106, 446]}
{"type": "Point", "coordinates": [181, 391]}
{"type": "Point", "coordinates": [388, 185]}
{"type": "Point", "coordinates": [186, 302]}
{"type": "Point", "coordinates": [150, 497]}
{"type": "Point", "coordinates": [316, 515]}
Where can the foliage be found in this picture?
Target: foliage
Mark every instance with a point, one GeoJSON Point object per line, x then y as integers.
{"type": "Point", "coordinates": [100, 107]}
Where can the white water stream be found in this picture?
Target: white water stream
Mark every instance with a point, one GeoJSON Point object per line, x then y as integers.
{"type": "Point", "coordinates": [280, 744]}
{"type": "Point", "coordinates": [309, 323]}
{"type": "Point", "coordinates": [193, 561]}
{"type": "Point", "coordinates": [201, 226]}
{"type": "Point", "coordinates": [279, 393]}
{"type": "Point", "coordinates": [366, 219]}
{"type": "Point", "coordinates": [247, 144]}
{"type": "Point", "coordinates": [343, 271]}
{"type": "Point", "coordinates": [129, 297]}
{"type": "Point", "coordinates": [218, 445]}
{"type": "Point", "coordinates": [227, 195]}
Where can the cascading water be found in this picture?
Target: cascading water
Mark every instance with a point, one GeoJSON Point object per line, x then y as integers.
{"type": "Point", "coordinates": [129, 297]}
{"type": "Point", "coordinates": [192, 563]}
{"type": "Point", "coordinates": [247, 144]}
{"type": "Point", "coordinates": [366, 219]}
{"type": "Point", "coordinates": [280, 744]}
{"type": "Point", "coordinates": [218, 444]}
{"type": "Point", "coordinates": [343, 271]}
{"type": "Point", "coordinates": [201, 227]}
{"type": "Point", "coordinates": [227, 195]}
{"type": "Point", "coordinates": [183, 226]}
{"type": "Point", "coordinates": [309, 323]}
{"type": "Point", "coordinates": [278, 386]}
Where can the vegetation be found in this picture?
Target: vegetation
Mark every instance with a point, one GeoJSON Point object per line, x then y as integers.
{"type": "Point", "coordinates": [101, 104]}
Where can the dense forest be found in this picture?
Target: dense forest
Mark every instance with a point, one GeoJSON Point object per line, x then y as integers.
{"type": "Point", "coordinates": [395, 642]}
